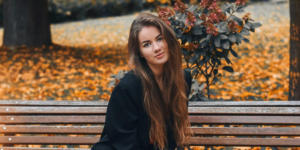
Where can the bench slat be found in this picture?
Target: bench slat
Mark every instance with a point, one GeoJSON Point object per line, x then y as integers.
{"type": "Point", "coordinates": [48, 140]}
{"type": "Point", "coordinates": [246, 110]}
{"type": "Point", "coordinates": [226, 119]}
{"type": "Point", "coordinates": [245, 104]}
{"type": "Point", "coordinates": [246, 131]}
{"type": "Point", "coordinates": [68, 103]}
{"type": "Point", "coordinates": [65, 103]}
{"type": "Point", "coordinates": [51, 110]}
{"type": "Point", "coordinates": [194, 141]}
{"type": "Point", "coordinates": [196, 130]}
{"type": "Point", "coordinates": [29, 148]}
{"type": "Point", "coordinates": [53, 119]}
{"type": "Point", "coordinates": [245, 141]}
{"type": "Point", "coordinates": [192, 110]}
{"type": "Point", "coordinates": [29, 129]}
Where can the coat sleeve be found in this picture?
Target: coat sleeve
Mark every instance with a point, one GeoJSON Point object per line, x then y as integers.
{"type": "Point", "coordinates": [121, 121]}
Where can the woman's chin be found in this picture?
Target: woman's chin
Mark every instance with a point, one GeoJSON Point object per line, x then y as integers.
{"type": "Point", "coordinates": [159, 62]}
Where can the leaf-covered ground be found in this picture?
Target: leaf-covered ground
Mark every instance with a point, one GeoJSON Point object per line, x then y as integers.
{"type": "Point", "coordinates": [79, 70]}
{"type": "Point", "coordinates": [86, 53]}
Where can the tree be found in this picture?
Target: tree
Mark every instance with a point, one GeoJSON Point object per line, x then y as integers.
{"type": "Point", "coordinates": [26, 23]}
{"type": "Point", "coordinates": [294, 85]}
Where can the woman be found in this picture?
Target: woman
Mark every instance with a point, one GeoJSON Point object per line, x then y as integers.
{"type": "Point", "coordinates": [148, 108]}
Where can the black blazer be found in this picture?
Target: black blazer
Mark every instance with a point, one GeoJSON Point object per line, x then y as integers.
{"type": "Point", "coordinates": [127, 124]}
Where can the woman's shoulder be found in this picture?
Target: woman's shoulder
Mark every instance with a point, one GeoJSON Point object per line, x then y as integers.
{"type": "Point", "coordinates": [129, 81]}
{"type": "Point", "coordinates": [127, 90]}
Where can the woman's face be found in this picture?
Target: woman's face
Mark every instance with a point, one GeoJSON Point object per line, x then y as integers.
{"type": "Point", "coordinates": [152, 46]}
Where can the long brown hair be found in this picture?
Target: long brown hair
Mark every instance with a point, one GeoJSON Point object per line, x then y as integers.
{"type": "Point", "coordinates": [157, 105]}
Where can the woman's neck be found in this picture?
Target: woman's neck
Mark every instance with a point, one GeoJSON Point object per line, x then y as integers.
{"type": "Point", "coordinates": [158, 73]}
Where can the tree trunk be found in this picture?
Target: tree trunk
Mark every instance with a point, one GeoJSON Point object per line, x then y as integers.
{"type": "Point", "coordinates": [294, 87]}
{"type": "Point", "coordinates": [26, 23]}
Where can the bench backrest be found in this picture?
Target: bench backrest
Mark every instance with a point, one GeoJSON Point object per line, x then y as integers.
{"type": "Point", "coordinates": [85, 119]}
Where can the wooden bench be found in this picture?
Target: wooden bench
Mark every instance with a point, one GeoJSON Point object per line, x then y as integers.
{"type": "Point", "coordinates": [42, 117]}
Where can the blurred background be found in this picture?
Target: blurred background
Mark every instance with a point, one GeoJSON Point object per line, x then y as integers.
{"type": "Point", "coordinates": [84, 44]}
{"type": "Point", "coordinates": [75, 10]}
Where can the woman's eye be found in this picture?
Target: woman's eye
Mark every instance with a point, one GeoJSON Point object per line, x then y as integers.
{"type": "Point", "coordinates": [159, 39]}
{"type": "Point", "coordinates": [146, 45]}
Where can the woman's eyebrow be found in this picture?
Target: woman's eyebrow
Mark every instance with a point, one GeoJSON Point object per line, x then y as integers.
{"type": "Point", "coordinates": [149, 41]}
{"type": "Point", "coordinates": [158, 36]}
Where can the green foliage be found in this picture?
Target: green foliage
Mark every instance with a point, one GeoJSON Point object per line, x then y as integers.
{"type": "Point", "coordinates": [207, 33]}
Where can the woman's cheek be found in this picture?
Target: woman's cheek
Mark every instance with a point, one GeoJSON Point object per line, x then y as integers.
{"type": "Point", "coordinates": [147, 54]}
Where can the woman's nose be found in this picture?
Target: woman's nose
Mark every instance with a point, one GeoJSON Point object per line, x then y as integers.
{"type": "Point", "coordinates": [156, 46]}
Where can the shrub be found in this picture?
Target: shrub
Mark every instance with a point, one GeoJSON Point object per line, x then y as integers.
{"type": "Point", "coordinates": [207, 34]}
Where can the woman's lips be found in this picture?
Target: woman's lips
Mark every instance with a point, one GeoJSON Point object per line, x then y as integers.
{"type": "Point", "coordinates": [160, 55]}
